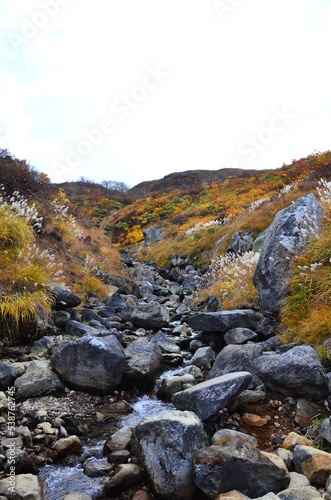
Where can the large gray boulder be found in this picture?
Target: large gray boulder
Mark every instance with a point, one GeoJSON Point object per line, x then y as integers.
{"type": "Point", "coordinates": [297, 372]}
{"type": "Point", "coordinates": [8, 375]}
{"type": "Point", "coordinates": [94, 365]}
{"type": "Point", "coordinates": [287, 236]}
{"type": "Point", "coordinates": [207, 398]}
{"type": "Point", "coordinates": [237, 466]}
{"type": "Point", "coordinates": [165, 343]}
{"type": "Point", "coordinates": [166, 444]}
{"type": "Point", "coordinates": [222, 321]}
{"type": "Point", "coordinates": [37, 380]}
{"type": "Point", "coordinates": [151, 315]}
{"type": "Point", "coordinates": [241, 242]}
{"type": "Point", "coordinates": [144, 363]}
{"type": "Point", "coordinates": [64, 298]}
{"type": "Point", "coordinates": [234, 358]}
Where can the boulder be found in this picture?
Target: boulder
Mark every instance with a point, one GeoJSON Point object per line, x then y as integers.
{"type": "Point", "coordinates": [166, 444]}
{"type": "Point", "coordinates": [8, 375]}
{"type": "Point", "coordinates": [302, 493]}
{"type": "Point", "coordinates": [116, 301]}
{"type": "Point", "coordinates": [314, 464]}
{"type": "Point", "coordinates": [124, 285]}
{"type": "Point", "coordinates": [68, 446]}
{"type": "Point", "coordinates": [61, 318]}
{"type": "Point", "coordinates": [223, 436]}
{"type": "Point", "coordinates": [240, 336]}
{"type": "Point", "coordinates": [165, 344]}
{"type": "Point", "coordinates": [293, 439]}
{"type": "Point", "coordinates": [151, 315]}
{"type": "Point", "coordinates": [93, 468]}
{"type": "Point", "coordinates": [297, 372]}
{"type": "Point", "coordinates": [64, 299]}
{"type": "Point", "coordinates": [26, 487]}
{"type": "Point", "coordinates": [305, 411]}
{"type": "Point", "coordinates": [287, 236]}
{"type": "Point", "coordinates": [152, 234]}
{"type": "Point", "coordinates": [203, 357]}
{"type": "Point", "coordinates": [176, 383]}
{"type": "Point", "coordinates": [235, 358]}
{"type": "Point", "coordinates": [126, 476]}
{"type": "Point", "coordinates": [241, 242]}
{"type": "Point", "coordinates": [207, 398]}
{"type": "Point", "coordinates": [37, 380]}
{"type": "Point", "coordinates": [91, 364]}
{"type": "Point", "coordinates": [144, 363]}
{"type": "Point", "coordinates": [78, 329]}
{"type": "Point", "coordinates": [120, 440]}
{"type": "Point", "coordinates": [222, 321]}
{"type": "Point", "coordinates": [237, 466]}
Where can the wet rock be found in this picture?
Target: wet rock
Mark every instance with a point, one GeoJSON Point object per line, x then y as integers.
{"type": "Point", "coordinates": [240, 336]}
{"type": "Point", "coordinates": [90, 364]}
{"type": "Point", "coordinates": [173, 359]}
{"type": "Point", "coordinates": [126, 476]}
{"type": "Point", "coordinates": [150, 316]}
{"type": "Point", "coordinates": [165, 344]}
{"type": "Point", "coordinates": [27, 487]}
{"type": "Point", "coordinates": [171, 385]}
{"type": "Point", "coordinates": [235, 358]}
{"type": "Point", "coordinates": [166, 445]}
{"type": "Point", "coordinates": [144, 363]}
{"type": "Point", "coordinates": [297, 372]}
{"type": "Point", "coordinates": [207, 398]}
{"type": "Point", "coordinates": [203, 357]}
{"type": "Point", "coordinates": [8, 375]}
{"type": "Point", "coordinates": [192, 370]}
{"type": "Point", "coordinates": [223, 321]}
{"type": "Point", "coordinates": [314, 464]}
{"type": "Point", "coordinates": [38, 380]}
{"type": "Point", "coordinates": [119, 457]}
{"type": "Point", "coordinates": [287, 236]}
{"type": "Point", "coordinates": [255, 474]}
{"type": "Point", "coordinates": [120, 440]}
{"type": "Point", "coordinates": [64, 298]}
{"type": "Point", "coordinates": [68, 446]}
{"type": "Point", "coordinates": [97, 468]}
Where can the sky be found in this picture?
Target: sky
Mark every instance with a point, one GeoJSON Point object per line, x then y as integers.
{"type": "Point", "coordinates": [133, 90]}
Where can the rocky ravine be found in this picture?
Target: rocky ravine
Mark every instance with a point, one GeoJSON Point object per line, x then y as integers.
{"type": "Point", "coordinates": [241, 406]}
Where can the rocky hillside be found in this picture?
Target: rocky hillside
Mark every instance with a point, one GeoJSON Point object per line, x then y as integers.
{"type": "Point", "coordinates": [196, 367]}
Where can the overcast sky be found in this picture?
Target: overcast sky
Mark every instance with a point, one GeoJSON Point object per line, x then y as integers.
{"type": "Point", "coordinates": [132, 90]}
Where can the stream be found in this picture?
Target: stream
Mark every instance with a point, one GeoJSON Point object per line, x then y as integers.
{"type": "Point", "coordinates": [60, 480]}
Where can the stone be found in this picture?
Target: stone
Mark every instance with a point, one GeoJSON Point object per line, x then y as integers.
{"type": "Point", "coordinates": [293, 439]}
{"type": "Point", "coordinates": [204, 357]}
{"type": "Point", "coordinates": [68, 446]}
{"type": "Point", "coordinates": [235, 358]}
{"type": "Point", "coordinates": [119, 457]}
{"type": "Point", "coordinates": [287, 456]}
{"type": "Point", "coordinates": [8, 375]}
{"type": "Point", "coordinates": [314, 464]}
{"type": "Point", "coordinates": [64, 299]}
{"type": "Point", "coordinates": [120, 440]}
{"type": "Point", "coordinates": [126, 476]}
{"type": "Point", "coordinates": [173, 384]}
{"type": "Point", "coordinates": [151, 315]}
{"type": "Point", "coordinates": [77, 496]}
{"type": "Point", "coordinates": [38, 380]}
{"type": "Point", "coordinates": [166, 444]}
{"type": "Point", "coordinates": [165, 344]}
{"type": "Point", "coordinates": [207, 398]}
{"type": "Point", "coordinates": [325, 430]}
{"type": "Point", "coordinates": [152, 234]}
{"type": "Point", "coordinates": [212, 304]}
{"type": "Point", "coordinates": [241, 242]}
{"type": "Point", "coordinates": [298, 480]}
{"type": "Point", "coordinates": [237, 466]}
{"type": "Point", "coordinates": [223, 436]}
{"type": "Point", "coordinates": [240, 336]}
{"type": "Point", "coordinates": [98, 468]}
{"type": "Point", "coordinates": [303, 493]}
{"type": "Point", "coordinates": [61, 318]}
{"type": "Point", "coordinates": [297, 372]}
{"type": "Point", "coordinates": [78, 329]}
{"type": "Point", "coordinates": [124, 286]}
{"type": "Point", "coordinates": [287, 237]}
{"type": "Point", "coordinates": [144, 363]}
{"type": "Point", "coordinates": [253, 420]}
{"type": "Point", "coordinates": [305, 411]}
{"type": "Point", "coordinates": [27, 487]}
{"type": "Point", "coordinates": [232, 495]}
{"type": "Point", "coordinates": [116, 301]}
{"type": "Point", "coordinates": [192, 370]}
{"type": "Point", "coordinates": [146, 289]}
{"type": "Point", "coordinates": [23, 461]}
{"type": "Point", "coordinates": [222, 321]}
{"type": "Point", "coordinates": [43, 345]}
{"type": "Point", "coordinates": [90, 364]}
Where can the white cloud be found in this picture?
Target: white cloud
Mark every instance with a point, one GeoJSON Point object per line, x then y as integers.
{"type": "Point", "coordinates": [225, 78]}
